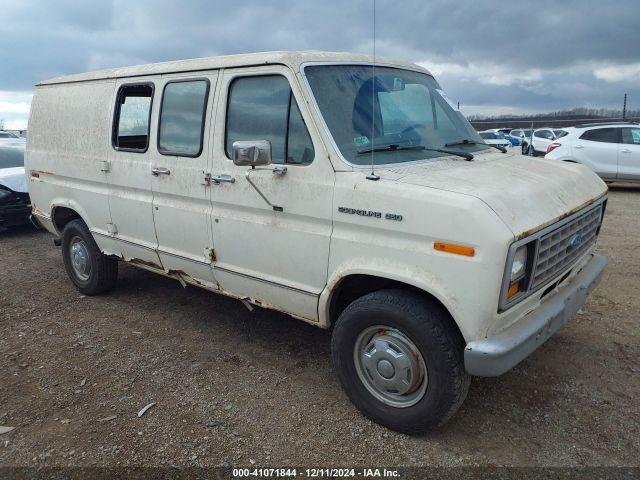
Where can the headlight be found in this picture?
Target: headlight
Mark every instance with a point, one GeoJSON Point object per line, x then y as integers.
{"type": "Point", "coordinates": [519, 264]}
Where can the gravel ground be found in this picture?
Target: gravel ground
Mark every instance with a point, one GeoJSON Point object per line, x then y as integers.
{"type": "Point", "coordinates": [257, 387]}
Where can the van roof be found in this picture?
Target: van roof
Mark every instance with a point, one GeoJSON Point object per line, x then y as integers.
{"type": "Point", "coordinates": [290, 59]}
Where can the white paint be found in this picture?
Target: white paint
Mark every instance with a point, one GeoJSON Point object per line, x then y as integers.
{"type": "Point", "coordinates": [291, 260]}
{"type": "Point", "coordinates": [14, 178]}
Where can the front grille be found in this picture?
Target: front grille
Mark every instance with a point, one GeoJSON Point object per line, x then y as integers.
{"type": "Point", "coordinates": [560, 248]}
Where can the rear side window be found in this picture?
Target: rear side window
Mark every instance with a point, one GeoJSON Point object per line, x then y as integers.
{"type": "Point", "coordinates": [264, 108]}
{"type": "Point", "coordinates": [606, 135]}
{"type": "Point", "coordinates": [132, 113]}
{"type": "Point", "coordinates": [182, 117]}
{"type": "Point", "coordinates": [631, 136]}
{"type": "Point", "coordinates": [544, 134]}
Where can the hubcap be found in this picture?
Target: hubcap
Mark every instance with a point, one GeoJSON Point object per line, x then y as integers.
{"type": "Point", "coordinates": [80, 261]}
{"type": "Point", "coordinates": [390, 366]}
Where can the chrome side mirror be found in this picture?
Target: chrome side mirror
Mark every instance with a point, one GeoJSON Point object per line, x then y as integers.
{"type": "Point", "coordinates": [252, 153]}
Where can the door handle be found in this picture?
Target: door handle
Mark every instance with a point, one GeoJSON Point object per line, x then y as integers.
{"type": "Point", "coordinates": [625, 150]}
{"type": "Point", "coordinates": [217, 180]}
{"type": "Point", "coordinates": [279, 170]}
{"type": "Point", "coordinates": [578, 146]}
{"type": "Point", "coordinates": [155, 171]}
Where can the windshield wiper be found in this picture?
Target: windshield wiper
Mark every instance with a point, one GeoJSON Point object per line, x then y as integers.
{"type": "Point", "coordinates": [394, 147]}
{"type": "Point", "coordinates": [473, 142]}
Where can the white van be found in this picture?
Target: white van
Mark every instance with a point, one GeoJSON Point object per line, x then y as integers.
{"type": "Point", "coordinates": [351, 196]}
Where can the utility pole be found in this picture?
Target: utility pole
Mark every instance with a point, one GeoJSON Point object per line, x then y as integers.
{"type": "Point", "coordinates": [624, 108]}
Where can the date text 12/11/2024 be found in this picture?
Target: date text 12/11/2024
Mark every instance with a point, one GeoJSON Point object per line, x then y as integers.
{"type": "Point", "coordinates": [315, 472]}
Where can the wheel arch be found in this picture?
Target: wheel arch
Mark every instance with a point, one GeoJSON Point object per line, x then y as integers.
{"type": "Point", "coordinates": [64, 212]}
{"type": "Point", "coordinates": [349, 285]}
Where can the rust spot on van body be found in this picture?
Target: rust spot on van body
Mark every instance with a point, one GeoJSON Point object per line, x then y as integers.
{"type": "Point", "coordinates": [139, 261]}
{"type": "Point", "coordinates": [585, 204]}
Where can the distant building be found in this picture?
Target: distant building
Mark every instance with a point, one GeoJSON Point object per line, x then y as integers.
{"type": "Point", "coordinates": [20, 133]}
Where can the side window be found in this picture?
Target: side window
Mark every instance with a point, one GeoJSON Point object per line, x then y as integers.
{"type": "Point", "coordinates": [263, 108]}
{"type": "Point", "coordinates": [131, 122]}
{"type": "Point", "coordinates": [631, 136]}
{"type": "Point", "coordinates": [606, 135]}
{"type": "Point", "coordinates": [182, 116]}
{"type": "Point", "coordinates": [299, 146]}
{"type": "Point", "coordinates": [543, 134]}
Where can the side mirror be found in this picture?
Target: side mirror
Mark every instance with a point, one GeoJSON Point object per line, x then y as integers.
{"type": "Point", "coordinates": [252, 153]}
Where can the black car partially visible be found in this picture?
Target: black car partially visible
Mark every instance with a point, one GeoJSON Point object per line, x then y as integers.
{"type": "Point", "coordinates": [15, 205]}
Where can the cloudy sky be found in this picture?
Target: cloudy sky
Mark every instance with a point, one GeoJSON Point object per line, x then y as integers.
{"type": "Point", "coordinates": [493, 56]}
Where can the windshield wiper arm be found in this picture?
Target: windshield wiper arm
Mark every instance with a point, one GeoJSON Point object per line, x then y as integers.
{"type": "Point", "coordinates": [473, 142]}
{"type": "Point", "coordinates": [394, 147]}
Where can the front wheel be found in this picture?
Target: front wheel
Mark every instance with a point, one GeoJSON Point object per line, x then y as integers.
{"type": "Point", "coordinates": [399, 358]}
{"type": "Point", "coordinates": [89, 269]}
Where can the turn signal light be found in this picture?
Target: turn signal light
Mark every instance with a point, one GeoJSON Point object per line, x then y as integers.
{"type": "Point", "coordinates": [513, 289]}
{"type": "Point", "coordinates": [453, 248]}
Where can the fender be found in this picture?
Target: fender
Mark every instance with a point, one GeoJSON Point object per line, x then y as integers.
{"type": "Point", "coordinates": [388, 269]}
{"type": "Point", "coordinates": [72, 205]}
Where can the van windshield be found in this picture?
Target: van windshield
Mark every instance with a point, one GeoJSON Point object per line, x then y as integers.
{"type": "Point", "coordinates": [397, 108]}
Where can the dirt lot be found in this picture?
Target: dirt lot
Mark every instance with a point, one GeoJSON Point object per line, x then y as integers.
{"type": "Point", "coordinates": [239, 387]}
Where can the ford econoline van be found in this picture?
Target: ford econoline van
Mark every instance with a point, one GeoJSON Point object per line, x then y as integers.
{"type": "Point", "coordinates": [350, 194]}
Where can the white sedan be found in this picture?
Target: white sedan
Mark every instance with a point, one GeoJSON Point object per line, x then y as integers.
{"type": "Point", "coordinates": [495, 138]}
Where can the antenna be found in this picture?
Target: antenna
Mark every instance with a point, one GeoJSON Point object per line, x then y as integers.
{"type": "Point", "coordinates": [372, 175]}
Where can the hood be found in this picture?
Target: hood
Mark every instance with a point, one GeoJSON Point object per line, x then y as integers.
{"type": "Point", "coordinates": [527, 193]}
{"type": "Point", "coordinates": [14, 179]}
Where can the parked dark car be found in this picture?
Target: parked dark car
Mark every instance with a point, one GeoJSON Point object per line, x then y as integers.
{"type": "Point", "coordinates": [15, 205]}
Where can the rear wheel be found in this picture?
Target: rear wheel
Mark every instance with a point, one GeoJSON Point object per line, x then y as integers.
{"type": "Point", "coordinates": [399, 358]}
{"type": "Point", "coordinates": [89, 269]}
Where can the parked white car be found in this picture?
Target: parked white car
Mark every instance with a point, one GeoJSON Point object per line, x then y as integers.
{"type": "Point", "coordinates": [495, 138]}
{"type": "Point", "coordinates": [538, 144]}
{"type": "Point", "coordinates": [273, 178]}
{"type": "Point", "coordinates": [15, 207]}
{"type": "Point", "coordinates": [612, 150]}
{"type": "Point", "coordinates": [520, 134]}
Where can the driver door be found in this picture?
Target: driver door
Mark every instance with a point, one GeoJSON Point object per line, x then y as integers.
{"type": "Point", "coordinates": [272, 225]}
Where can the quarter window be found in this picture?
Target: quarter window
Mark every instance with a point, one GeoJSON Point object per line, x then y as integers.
{"type": "Point", "coordinates": [131, 124]}
{"type": "Point", "coordinates": [606, 135]}
{"type": "Point", "coordinates": [264, 108]}
{"type": "Point", "coordinates": [182, 118]}
{"type": "Point", "coordinates": [543, 134]}
{"type": "Point", "coordinates": [631, 136]}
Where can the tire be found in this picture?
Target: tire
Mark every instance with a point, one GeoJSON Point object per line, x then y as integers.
{"type": "Point", "coordinates": [399, 315]}
{"type": "Point", "coordinates": [89, 269]}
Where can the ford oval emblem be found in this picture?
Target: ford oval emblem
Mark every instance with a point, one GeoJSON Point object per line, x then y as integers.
{"type": "Point", "coordinates": [575, 241]}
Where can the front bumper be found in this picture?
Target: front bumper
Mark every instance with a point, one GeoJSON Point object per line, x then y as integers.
{"type": "Point", "coordinates": [499, 353]}
{"type": "Point", "coordinates": [13, 215]}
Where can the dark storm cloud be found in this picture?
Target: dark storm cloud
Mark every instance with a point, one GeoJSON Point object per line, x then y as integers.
{"type": "Point", "coordinates": [540, 54]}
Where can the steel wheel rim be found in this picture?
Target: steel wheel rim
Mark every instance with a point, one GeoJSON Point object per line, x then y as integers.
{"type": "Point", "coordinates": [390, 366]}
{"type": "Point", "coordinates": [80, 259]}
